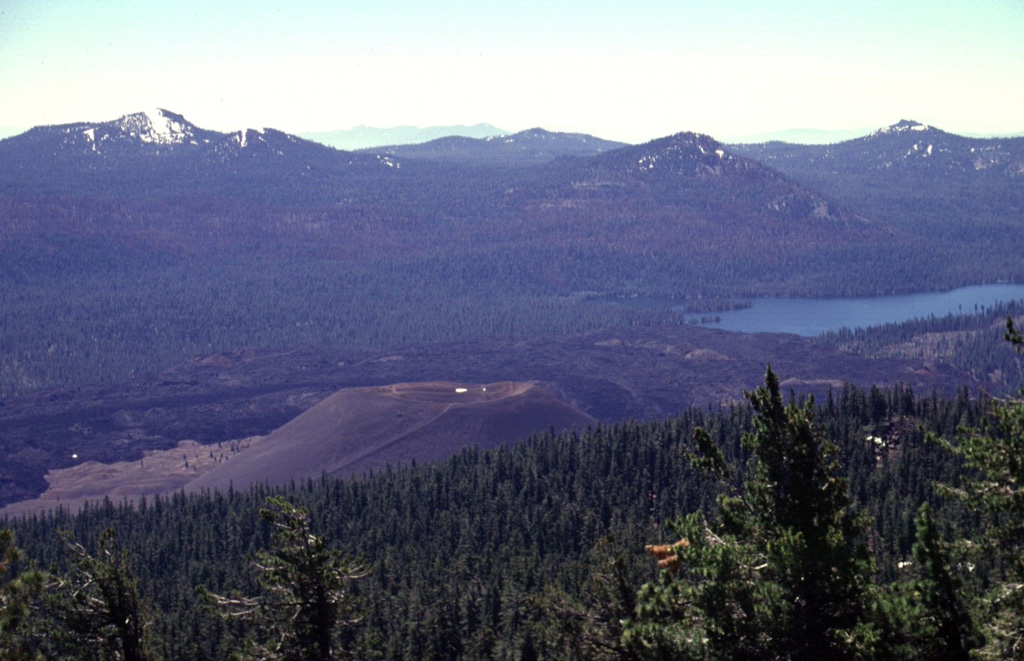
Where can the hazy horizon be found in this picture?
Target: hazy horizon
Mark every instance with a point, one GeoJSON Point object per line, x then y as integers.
{"type": "Point", "coordinates": [621, 72]}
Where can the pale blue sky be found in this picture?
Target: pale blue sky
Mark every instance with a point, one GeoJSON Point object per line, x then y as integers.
{"type": "Point", "coordinates": [621, 70]}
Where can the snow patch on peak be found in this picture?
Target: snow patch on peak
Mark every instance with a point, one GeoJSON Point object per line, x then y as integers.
{"type": "Point", "coordinates": [902, 126]}
{"type": "Point", "coordinates": [164, 128]}
{"type": "Point", "coordinates": [243, 136]}
{"type": "Point", "coordinates": [157, 126]}
{"type": "Point", "coordinates": [683, 153]}
{"type": "Point", "coordinates": [156, 116]}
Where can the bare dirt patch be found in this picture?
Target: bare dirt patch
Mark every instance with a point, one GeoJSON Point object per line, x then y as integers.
{"type": "Point", "coordinates": [353, 431]}
{"type": "Point", "coordinates": [157, 472]}
{"type": "Point", "coordinates": [358, 430]}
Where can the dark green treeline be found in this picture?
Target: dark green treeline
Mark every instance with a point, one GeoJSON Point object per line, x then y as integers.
{"type": "Point", "coordinates": [471, 558]}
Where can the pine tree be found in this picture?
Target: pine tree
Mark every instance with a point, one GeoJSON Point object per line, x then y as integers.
{"type": "Point", "coordinates": [926, 616]}
{"type": "Point", "coordinates": [98, 603]}
{"type": "Point", "coordinates": [782, 571]}
{"type": "Point", "coordinates": [944, 614]}
{"type": "Point", "coordinates": [591, 626]}
{"type": "Point", "coordinates": [307, 597]}
{"type": "Point", "coordinates": [994, 488]}
{"type": "Point", "coordinates": [20, 589]}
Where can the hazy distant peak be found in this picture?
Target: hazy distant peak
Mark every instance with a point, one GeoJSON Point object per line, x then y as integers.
{"type": "Point", "coordinates": [535, 133]}
{"type": "Point", "coordinates": [536, 145]}
{"type": "Point", "coordinates": [538, 134]}
{"type": "Point", "coordinates": [801, 136]}
{"type": "Point", "coordinates": [369, 137]}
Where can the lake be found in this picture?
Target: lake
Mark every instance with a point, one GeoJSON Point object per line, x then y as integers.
{"type": "Point", "coordinates": [814, 316]}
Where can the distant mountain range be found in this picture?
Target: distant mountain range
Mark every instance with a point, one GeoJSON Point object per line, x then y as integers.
{"type": "Point", "coordinates": [365, 137]}
{"type": "Point", "coordinates": [906, 146]}
{"type": "Point", "coordinates": [526, 147]}
{"type": "Point", "coordinates": [828, 136]}
{"type": "Point", "coordinates": [682, 195]}
{"type": "Point", "coordinates": [878, 176]}
{"type": "Point", "coordinates": [161, 153]}
{"type": "Point", "coordinates": [163, 143]}
{"type": "Point", "coordinates": [944, 188]}
{"type": "Point", "coordinates": [156, 132]}
{"type": "Point", "coordinates": [801, 136]}
{"type": "Point", "coordinates": [159, 132]}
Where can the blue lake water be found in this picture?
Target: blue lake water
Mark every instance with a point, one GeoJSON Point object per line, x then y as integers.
{"type": "Point", "coordinates": [811, 316]}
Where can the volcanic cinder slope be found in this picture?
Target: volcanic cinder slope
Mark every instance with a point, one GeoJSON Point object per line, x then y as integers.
{"type": "Point", "coordinates": [358, 430]}
{"type": "Point", "coordinates": [353, 431]}
{"type": "Point", "coordinates": [158, 472]}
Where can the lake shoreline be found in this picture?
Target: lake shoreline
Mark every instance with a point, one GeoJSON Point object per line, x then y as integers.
{"type": "Point", "coordinates": [811, 317]}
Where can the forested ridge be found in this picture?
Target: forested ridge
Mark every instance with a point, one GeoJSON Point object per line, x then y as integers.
{"type": "Point", "coordinates": [100, 293]}
{"type": "Point", "coordinates": [962, 195]}
{"type": "Point", "coordinates": [964, 340]}
{"type": "Point", "coordinates": [279, 242]}
{"type": "Point", "coordinates": [503, 554]}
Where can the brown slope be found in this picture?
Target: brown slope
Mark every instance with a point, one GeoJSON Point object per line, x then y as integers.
{"type": "Point", "coordinates": [158, 472]}
{"type": "Point", "coordinates": [357, 430]}
{"type": "Point", "coordinates": [613, 374]}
